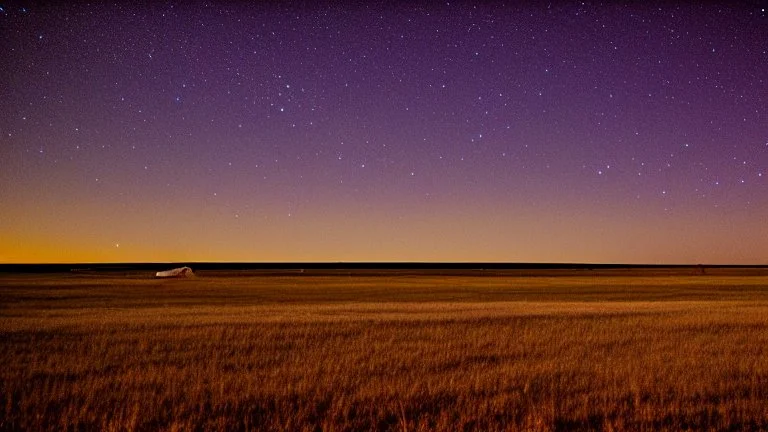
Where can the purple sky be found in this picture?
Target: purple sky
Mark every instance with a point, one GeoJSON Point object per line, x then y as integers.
{"type": "Point", "coordinates": [226, 131]}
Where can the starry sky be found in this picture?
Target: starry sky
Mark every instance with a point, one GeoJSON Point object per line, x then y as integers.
{"type": "Point", "coordinates": [409, 131]}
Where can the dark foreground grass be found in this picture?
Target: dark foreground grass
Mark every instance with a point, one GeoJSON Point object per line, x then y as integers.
{"type": "Point", "coordinates": [125, 352]}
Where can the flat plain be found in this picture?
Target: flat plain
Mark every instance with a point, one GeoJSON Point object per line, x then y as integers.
{"type": "Point", "coordinates": [547, 350]}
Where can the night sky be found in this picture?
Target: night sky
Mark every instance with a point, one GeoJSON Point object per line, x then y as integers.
{"type": "Point", "coordinates": [230, 131]}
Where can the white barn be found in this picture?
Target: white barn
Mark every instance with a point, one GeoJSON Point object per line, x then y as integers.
{"type": "Point", "coordinates": [180, 272]}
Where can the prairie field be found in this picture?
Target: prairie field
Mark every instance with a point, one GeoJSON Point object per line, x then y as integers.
{"type": "Point", "coordinates": [401, 352]}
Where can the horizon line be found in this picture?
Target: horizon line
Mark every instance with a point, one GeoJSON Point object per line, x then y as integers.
{"type": "Point", "coordinates": [362, 264]}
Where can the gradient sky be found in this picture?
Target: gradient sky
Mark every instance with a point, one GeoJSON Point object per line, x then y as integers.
{"type": "Point", "coordinates": [229, 131]}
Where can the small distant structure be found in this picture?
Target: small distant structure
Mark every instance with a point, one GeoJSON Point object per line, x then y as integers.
{"type": "Point", "coordinates": [181, 272]}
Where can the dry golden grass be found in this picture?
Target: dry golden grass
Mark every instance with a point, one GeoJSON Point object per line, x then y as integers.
{"type": "Point", "coordinates": [124, 352]}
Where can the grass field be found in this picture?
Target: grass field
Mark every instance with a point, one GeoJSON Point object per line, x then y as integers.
{"type": "Point", "coordinates": [628, 351]}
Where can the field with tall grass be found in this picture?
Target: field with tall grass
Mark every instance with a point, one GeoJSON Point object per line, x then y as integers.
{"type": "Point", "coordinates": [624, 351]}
